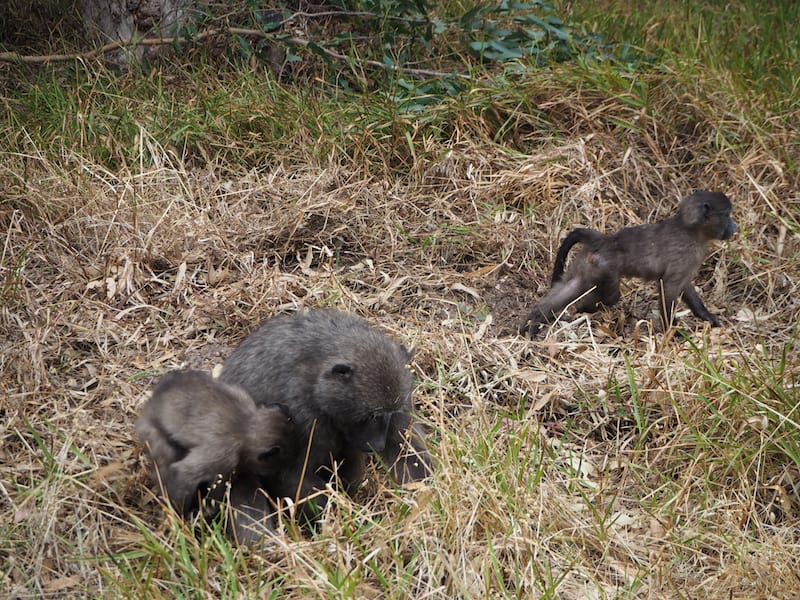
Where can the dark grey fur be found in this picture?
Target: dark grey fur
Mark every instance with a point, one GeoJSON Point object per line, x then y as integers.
{"type": "Point", "coordinates": [345, 384]}
{"type": "Point", "coordinates": [669, 252]}
{"type": "Point", "coordinates": [248, 512]}
{"type": "Point", "coordinates": [199, 430]}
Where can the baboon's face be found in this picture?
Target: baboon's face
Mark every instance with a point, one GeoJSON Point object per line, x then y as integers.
{"type": "Point", "coordinates": [709, 212]}
{"type": "Point", "coordinates": [275, 439]}
{"type": "Point", "coordinates": [729, 230]}
{"type": "Point", "coordinates": [360, 396]}
{"type": "Point", "coordinates": [369, 435]}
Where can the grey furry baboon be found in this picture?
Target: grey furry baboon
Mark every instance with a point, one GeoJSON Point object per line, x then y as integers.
{"type": "Point", "coordinates": [346, 385]}
{"type": "Point", "coordinates": [200, 431]}
{"type": "Point", "coordinates": [669, 252]}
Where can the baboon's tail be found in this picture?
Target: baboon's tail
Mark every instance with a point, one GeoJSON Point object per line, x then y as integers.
{"type": "Point", "coordinates": [581, 235]}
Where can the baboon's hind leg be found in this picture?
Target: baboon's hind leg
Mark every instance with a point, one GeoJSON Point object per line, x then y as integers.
{"type": "Point", "coordinates": [562, 294]}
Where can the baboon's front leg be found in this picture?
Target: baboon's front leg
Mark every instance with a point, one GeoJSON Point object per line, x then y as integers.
{"type": "Point", "coordinates": [695, 304]}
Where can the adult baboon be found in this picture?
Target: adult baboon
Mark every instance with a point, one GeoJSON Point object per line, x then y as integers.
{"type": "Point", "coordinates": [669, 252]}
{"type": "Point", "coordinates": [346, 385]}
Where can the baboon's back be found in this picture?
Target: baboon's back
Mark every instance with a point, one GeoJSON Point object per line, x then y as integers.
{"type": "Point", "coordinates": [282, 361]}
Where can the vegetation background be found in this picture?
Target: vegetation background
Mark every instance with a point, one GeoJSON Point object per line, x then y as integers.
{"type": "Point", "coordinates": [415, 163]}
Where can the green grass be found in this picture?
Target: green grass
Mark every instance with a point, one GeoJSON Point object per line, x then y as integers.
{"type": "Point", "coordinates": [754, 44]}
{"type": "Point", "coordinates": [229, 114]}
{"type": "Point", "coordinates": [205, 111]}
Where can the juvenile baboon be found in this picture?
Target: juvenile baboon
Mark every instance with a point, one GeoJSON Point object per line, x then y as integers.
{"type": "Point", "coordinates": [669, 252]}
{"type": "Point", "coordinates": [346, 385]}
{"type": "Point", "coordinates": [200, 431]}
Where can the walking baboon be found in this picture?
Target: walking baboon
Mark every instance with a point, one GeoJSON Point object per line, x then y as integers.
{"type": "Point", "coordinates": [346, 385]}
{"type": "Point", "coordinates": [200, 431]}
{"type": "Point", "coordinates": [669, 252]}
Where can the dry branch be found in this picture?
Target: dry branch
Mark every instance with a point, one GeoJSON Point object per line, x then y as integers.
{"type": "Point", "coordinates": [15, 57]}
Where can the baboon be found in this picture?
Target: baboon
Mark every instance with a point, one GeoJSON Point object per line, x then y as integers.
{"type": "Point", "coordinates": [345, 384]}
{"type": "Point", "coordinates": [669, 252]}
{"type": "Point", "coordinates": [200, 432]}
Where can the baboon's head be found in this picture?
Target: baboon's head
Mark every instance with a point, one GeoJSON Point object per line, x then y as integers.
{"type": "Point", "coordinates": [360, 389]}
{"type": "Point", "coordinates": [274, 441]}
{"type": "Point", "coordinates": [708, 213]}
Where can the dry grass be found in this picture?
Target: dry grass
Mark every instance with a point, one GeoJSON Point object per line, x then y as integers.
{"type": "Point", "coordinates": [577, 466]}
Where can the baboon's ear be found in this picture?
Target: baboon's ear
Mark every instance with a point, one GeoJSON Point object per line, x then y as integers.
{"type": "Point", "coordinates": [409, 353]}
{"type": "Point", "coordinates": [692, 211]}
{"type": "Point", "coordinates": [269, 453]}
{"type": "Point", "coordinates": [342, 370]}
